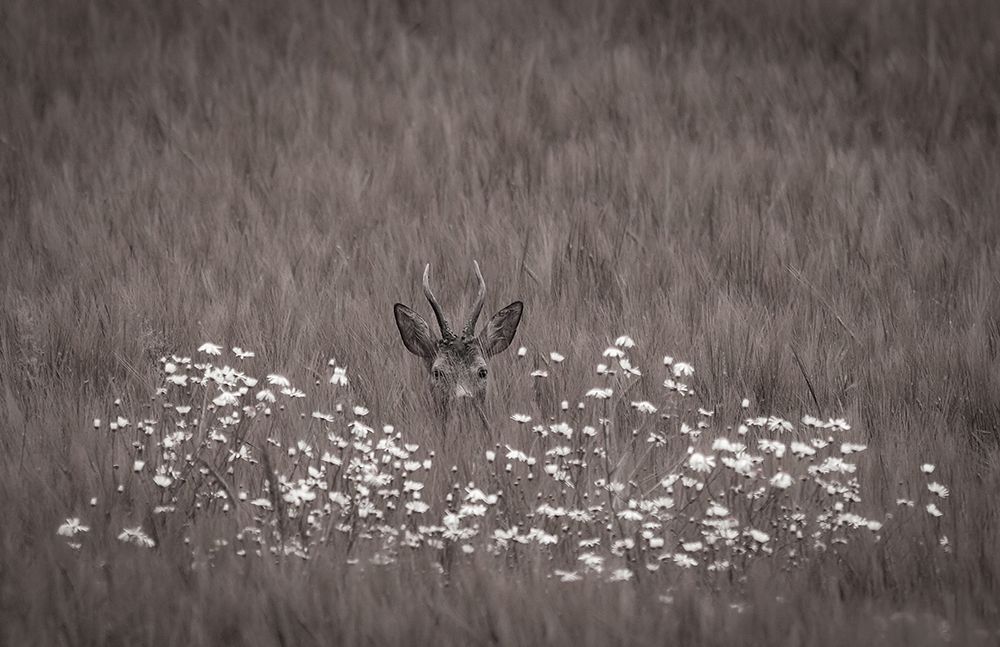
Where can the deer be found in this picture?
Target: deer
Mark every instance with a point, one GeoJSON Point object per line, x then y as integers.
{"type": "Point", "coordinates": [457, 364]}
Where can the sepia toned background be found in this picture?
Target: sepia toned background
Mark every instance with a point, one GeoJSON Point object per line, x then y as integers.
{"type": "Point", "coordinates": [798, 197]}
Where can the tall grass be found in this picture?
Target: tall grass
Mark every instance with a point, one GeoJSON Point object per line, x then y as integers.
{"type": "Point", "coordinates": [801, 200]}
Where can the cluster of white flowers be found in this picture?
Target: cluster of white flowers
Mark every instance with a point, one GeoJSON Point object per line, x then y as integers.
{"type": "Point", "coordinates": [602, 492]}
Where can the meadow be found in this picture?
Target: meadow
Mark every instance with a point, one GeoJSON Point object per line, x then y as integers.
{"type": "Point", "coordinates": [758, 246]}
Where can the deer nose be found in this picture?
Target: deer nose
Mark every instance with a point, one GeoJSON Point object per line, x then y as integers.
{"type": "Point", "coordinates": [462, 392]}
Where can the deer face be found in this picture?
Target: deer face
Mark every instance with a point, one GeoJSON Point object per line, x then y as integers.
{"type": "Point", "coordinates": [457, 364]}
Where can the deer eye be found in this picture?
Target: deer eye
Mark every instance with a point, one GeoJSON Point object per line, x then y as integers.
{"type": "Point", "coordinates": [482, 373]}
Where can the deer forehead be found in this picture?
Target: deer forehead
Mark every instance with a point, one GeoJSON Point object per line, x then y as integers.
{"type": "Point", "coordinates": [459, 354]}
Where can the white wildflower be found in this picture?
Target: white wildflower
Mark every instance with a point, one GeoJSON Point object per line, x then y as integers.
{"type": "Point", "coordinates": [802, 450]}
{"type": "Point", "coordinates": [643, 406]}
{"type": "Point", "coordinates": [242, 354]}
{"type": "Point", "coordinates": [136, 536]}
{"type": "Point", "coordinates": [684, 561]}
{"type": "Point", "coordinates": [620, 575]}
{"type": "Point", "coordinates": [701, 463]}
{"type": "Point", "coordinates": [416, 506]}
{"type": "Point", "coordinates": [568, 576]}
{"type": "Point", "coordinates": [781, 480]}
{"type": "Point", "coordinates": [683, 369]}
{"type": "Point", "coordinates": [938, 489]}
{"type": "Point", "coordinates": [71, 527]}
{"type": "Point", "coordinates": [772, 447]}
{"type": "Point", "coordinates": [779, 425]}
{"type": "Point", "coordinates": [210, 349]}
{"type": "Point", "coordinates": [339, 377]}
{"type": "Point", "coordinates": [278, 380]}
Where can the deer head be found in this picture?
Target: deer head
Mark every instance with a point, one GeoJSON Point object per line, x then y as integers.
{"type": "Point", "coordinates": [457, 363]}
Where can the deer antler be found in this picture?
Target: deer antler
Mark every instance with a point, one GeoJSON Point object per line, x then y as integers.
{"type": "Point", "coordinates": [442, 321]}
{"type": "Point", "coordinates": [470, 327]}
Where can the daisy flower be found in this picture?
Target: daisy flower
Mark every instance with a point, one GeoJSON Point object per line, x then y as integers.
{"type": "Point", "coordinates": [684, 561]}
{"type": "Point", "coordinates": [781, 480]}
{"type": "Point", "coordinates": [226, 399]}
{"type": "Point", "coordinates": [210, 349]}
{"type": "Point", "coordinates": [177, 379]}
{"type": "Point", "coordinates": [837, 424]}
{"type": "Point", "coordinates": [679, 387]}
{"type": "Point", "coordinates": [683, 369]}
{"type": "Point", "coordinates": [339, 377]}
{"type": "Point", "coordinates": [643, 406]}
{"type": "Point", "coordinates": [72, 527]}
{"type": "Point", "coordinates": [701, 463]}
{"type": "Point", "coordinates": [802, 450]}
{"type": "Point", "coordinates": [136, 536]}
{"type": "Point", "coordinates": [628, 368]}
{"type": "Point", "coordinates": [416, 507]}
{"type": "Point", "coordinates": [568, 576]}
{"type": "Point", "coordinates": [620, 575]}
{"type": "Point", "coordinates": [775, 423]}
{"type": "Point", "coordinates": [772, 447]}
{"type": "Point", "coordinates": [938, 489]}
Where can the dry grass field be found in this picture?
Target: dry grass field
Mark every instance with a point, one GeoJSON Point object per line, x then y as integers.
{"type": "Point", "coordinates": [798, 198]}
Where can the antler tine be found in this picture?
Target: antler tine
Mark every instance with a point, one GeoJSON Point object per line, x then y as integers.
{"type": "Point", "coordinates": [470, 327]}
{"type": "Point", "coordinates": [442, 321]}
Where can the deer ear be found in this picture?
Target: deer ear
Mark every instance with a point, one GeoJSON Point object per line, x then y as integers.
{"type": "Point", "coordinates": [500, 329]}
{"type": "Point", "coordinates": [415, 332]}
